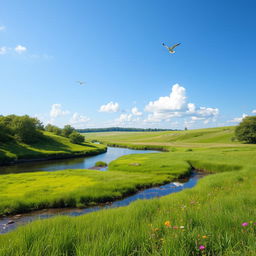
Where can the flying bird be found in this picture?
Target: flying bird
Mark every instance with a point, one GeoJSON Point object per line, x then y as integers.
{"type": "Point", "coordinates": [170, 49]}
{"type": "Point", "coordinates": [80, 82]}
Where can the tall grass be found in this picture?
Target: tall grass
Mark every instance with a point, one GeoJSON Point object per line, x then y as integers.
{"type": "Point", "coordinates": [212, 214]}
{"type": "Point", "coordinates": [217, 217]}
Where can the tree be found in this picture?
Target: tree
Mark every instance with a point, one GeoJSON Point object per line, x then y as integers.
{"type": "Point", "coordinates": [49, 127]}
{"type": "Point", "coordinates": [67, 130]}
{"type": "Point", "coordinates": [24, 128]}
{"type": "Point", "coordinates": [246, 130]}
{"type": "Point", "coordinates": [76, 137]}
{"type": "Point", "coordinates": [4, 131]}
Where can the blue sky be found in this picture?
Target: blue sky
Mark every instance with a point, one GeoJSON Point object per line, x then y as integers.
{"type": "Point", "coordinates": [131, 79]}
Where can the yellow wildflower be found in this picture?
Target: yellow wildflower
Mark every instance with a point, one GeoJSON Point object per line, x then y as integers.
{"type": "Point", "coordinates": [167, 223]}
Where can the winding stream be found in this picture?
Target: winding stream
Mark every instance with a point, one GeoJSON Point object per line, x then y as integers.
{"type": "Point", "coordinates": [11, 222]}
{"type": "Point", "coordinates": [71, 163]}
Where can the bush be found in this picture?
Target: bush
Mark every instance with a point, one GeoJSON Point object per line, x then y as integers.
{"type": "Point", "coordinates": [246, 130]}
{"type": "Point", "coordinates": [76, 138]}
{"type": "Point", "coordinates": [52, 128]}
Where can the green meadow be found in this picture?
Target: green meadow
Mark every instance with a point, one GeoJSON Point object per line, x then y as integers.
{"type": "Point", "coordinates": [200, 138]}
{"type": "Point", "coordinates": [216, 217]}
{"type": "Point", "coordinates": [51, 146]}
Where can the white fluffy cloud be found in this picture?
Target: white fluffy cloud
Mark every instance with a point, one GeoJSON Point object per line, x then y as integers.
{"type": "Point", "coordinates": [2, 28]}
{"type": "Point", "coordinates": [3, 50]}
{"type": "Point", "coordinates": [175, 105]}
{"type": "Point", "coordinates": [110, 107]}
{"type": "Point", "coordinates": [79, 120]}
{"type": "Point", "coordinates": [254, 111]}
{"type": "Point", "coordinates": [125, 118]}
{"type": "Point", "coordinates": [175, 101]}
{"type": "Point", "coordinates": [20, 49]}
{"type": "Point", "coordinates": [56, 110]}
{"type": "Point", "coordinates": [136, 112]}
{"type": "Point", "coordinates": [132, 118]}
{"type": "Point", "coordinates": [237, 119]}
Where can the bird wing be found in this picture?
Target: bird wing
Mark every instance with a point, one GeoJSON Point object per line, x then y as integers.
{"type": "Point", "coordinates": [165, 46]}
{"type": "Point", "coordinates": [171, 48]}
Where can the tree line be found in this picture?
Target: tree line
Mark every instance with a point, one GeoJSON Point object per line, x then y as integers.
{"type": "Point", "coordinates": [28, 129]}
{"type": "Point", "coordinates": [123, 129]}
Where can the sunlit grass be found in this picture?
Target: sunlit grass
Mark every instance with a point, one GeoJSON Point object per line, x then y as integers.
{"type": "Point", "coordinates": [73, 188]}
{"type": "Point", "coordinates": [217, 217]}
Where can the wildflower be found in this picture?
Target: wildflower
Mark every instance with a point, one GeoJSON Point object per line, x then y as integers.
{"type": "Point", "coordinates": [167, 223]}
{"type": "Point", "coordinates": [204, 237]}
{"type": "Point", "coordinates": [201, 247]}
{"type": "Point", "coordinates": [175, 227]}
{"type": "Point", "coordinates": [245, 224]}
{"type": "Point", "coordinates": [182, 227]}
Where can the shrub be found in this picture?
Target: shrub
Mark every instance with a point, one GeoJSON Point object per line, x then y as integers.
{"type": "Point", "coordinates": [101, 164]}
{"type": "Point", "coordinates": [76, 138]}
{"type": "Point", "coordinates": [52, 128]}
{"type": "Point", "coordinates": [246, 130]}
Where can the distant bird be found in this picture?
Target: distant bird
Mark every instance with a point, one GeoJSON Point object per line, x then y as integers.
{"type": "Point", "coordinates": [170, 49]}
{"type": "Point", "coordinates": [80, 82]}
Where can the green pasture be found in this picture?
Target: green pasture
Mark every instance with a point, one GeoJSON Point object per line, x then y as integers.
{"type": "Point", "coordinates": [218, 214]}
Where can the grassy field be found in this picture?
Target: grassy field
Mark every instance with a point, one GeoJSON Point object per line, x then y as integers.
{"type": "Point", "coordinates": [52, 146]}
{"type": "Point", "coordinates": [217, 217]}
{"type": "Point", "coordinates": [201, 138]}
{"type": "Point", "coordinates": [74, 188]}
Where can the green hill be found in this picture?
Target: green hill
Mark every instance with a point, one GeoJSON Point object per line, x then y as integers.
{"type": "Point", "coordinates": [49, 147]}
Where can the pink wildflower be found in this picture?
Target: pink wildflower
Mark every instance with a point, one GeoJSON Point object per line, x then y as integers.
{"type": "Point", "coordinates": [201, 247]}
{"type": "Point", "coordinates": [245, 224]}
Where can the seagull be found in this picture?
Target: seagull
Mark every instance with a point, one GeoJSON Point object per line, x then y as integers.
{"type": "Point", "coordinates": [170, 49]}
{"type": "Point", "coordinates": [80, 82]}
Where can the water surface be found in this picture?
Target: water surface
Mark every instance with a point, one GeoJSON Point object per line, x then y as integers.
{"type": "Point", "coordinates": [71, 163]}
{"type": "Point", "coordinates": [11, 222]}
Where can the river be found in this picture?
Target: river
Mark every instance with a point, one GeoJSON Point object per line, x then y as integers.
{"type": "Point", "coordinates": [11, 222]}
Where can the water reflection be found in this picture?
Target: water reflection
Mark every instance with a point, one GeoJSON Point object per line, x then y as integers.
{"type": "Point", "coordinates": [71, 163]}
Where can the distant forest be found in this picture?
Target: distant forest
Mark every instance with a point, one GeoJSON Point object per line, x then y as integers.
{"type": "Point", "coordinates": [120, 129]}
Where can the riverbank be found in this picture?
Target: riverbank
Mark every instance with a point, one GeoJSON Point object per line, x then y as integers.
{"type": "Point", "coordinates": [217, 215]}
{"type": "Point", "coordinates": [173, 225]}
{"type": "Point", "coordinates": [9, 223]}
{"type": "Point", "coordinates": [25, 192]}
{"type": "Point", "coordinates": [52, 147]}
